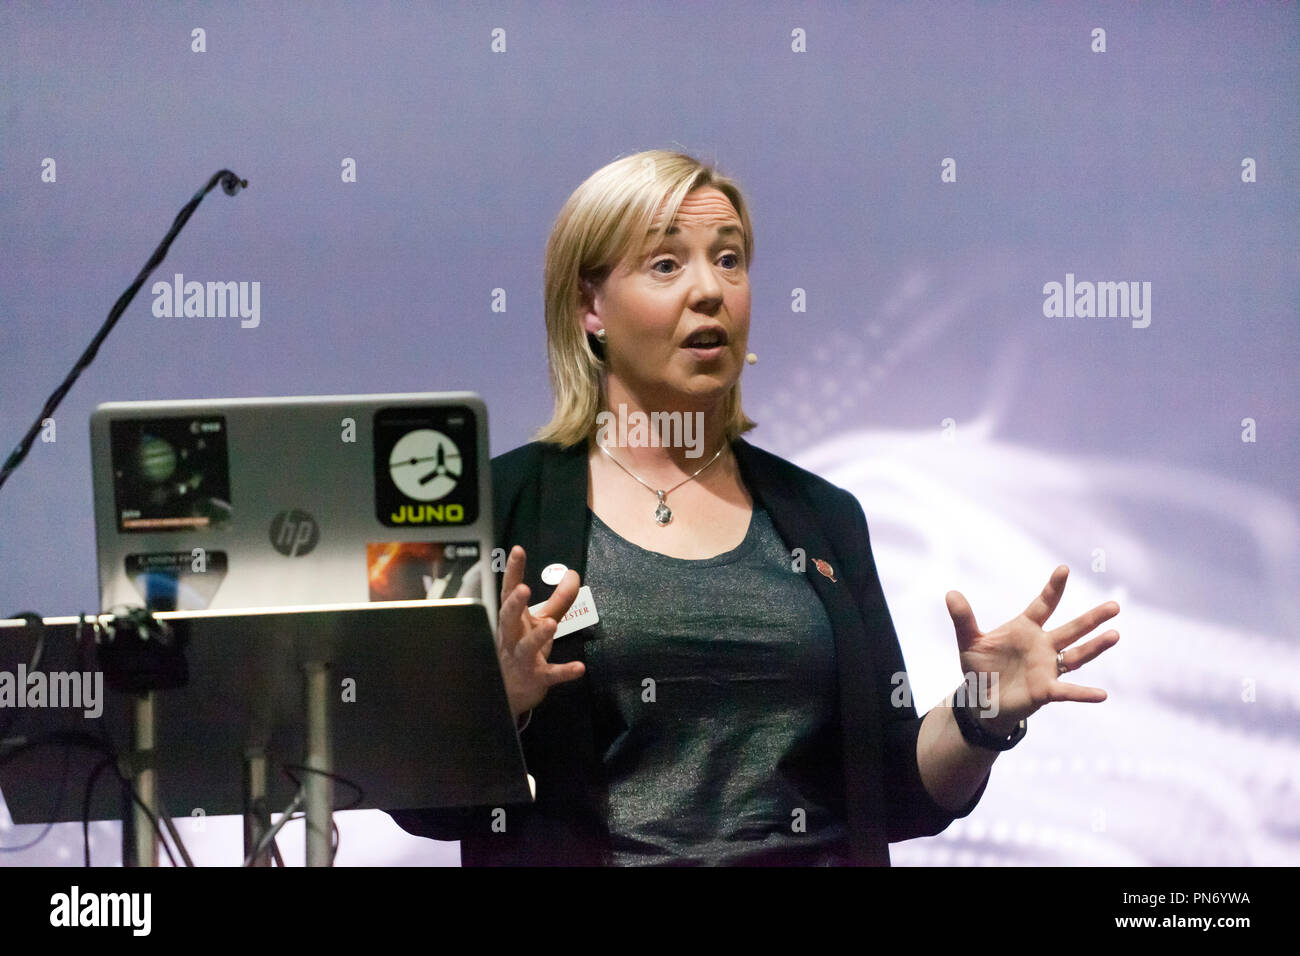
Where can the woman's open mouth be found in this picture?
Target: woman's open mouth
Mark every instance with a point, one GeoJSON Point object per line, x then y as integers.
{"type": "Point", "coordinates": [707, 343]}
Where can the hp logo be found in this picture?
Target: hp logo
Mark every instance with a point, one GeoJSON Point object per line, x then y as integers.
{"type": "Point", "coordinates": [294, 533]}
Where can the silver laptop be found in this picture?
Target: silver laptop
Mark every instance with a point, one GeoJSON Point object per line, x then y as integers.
{"type": "Point", "coordinates": [266, 502]}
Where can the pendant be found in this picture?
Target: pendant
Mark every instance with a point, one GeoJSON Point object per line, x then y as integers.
{"type": "Point", "coordinates": [663, 514]}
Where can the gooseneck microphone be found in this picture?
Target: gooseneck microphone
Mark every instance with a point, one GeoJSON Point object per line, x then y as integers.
{"type": "Point", "coordinates": [231, 184]}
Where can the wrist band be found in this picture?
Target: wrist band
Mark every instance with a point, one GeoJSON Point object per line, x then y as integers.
{"type": "Point", "coordinates": [977, 736]}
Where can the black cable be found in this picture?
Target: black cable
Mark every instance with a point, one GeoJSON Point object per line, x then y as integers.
{"type": "Point", "coordinates": [231, 184]}
{"type": "Point", "coordinates": [153, 819]}
{"type": "Point", "coordinates": [289, 816]}
{"type": "Point", "coordinates": [126, 782]}
{"type": "Point", "coordinates": [335, 837]}
{"type": "Point", "coordinates": [289, 767]}
{"type": "Point", "coordinates": [335, 840]}
{"type": "Point", "coordinates": [85, 807]}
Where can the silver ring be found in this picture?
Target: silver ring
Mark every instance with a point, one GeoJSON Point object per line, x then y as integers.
{"type": "Point", "coordinates": [1061, 668]}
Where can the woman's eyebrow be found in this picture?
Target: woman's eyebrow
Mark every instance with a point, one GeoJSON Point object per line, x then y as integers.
{"type": "Point", "coordinates": [723, 232]}
{"type": "Point", "coordinates": [729, 228]}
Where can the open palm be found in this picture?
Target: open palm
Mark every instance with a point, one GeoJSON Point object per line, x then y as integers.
{"type": "Point", "coordinates": [1019, 658]}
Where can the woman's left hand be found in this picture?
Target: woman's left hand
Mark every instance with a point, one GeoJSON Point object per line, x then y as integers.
{"type": "Point", "coordinates": [1022, 655]}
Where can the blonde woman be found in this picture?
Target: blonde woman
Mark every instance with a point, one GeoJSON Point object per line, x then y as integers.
{"type": "Point", "coordinates": [737, 703]}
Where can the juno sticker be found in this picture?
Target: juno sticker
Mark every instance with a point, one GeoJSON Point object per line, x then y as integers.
{"type": "Point", "coordinates": [426, 467]}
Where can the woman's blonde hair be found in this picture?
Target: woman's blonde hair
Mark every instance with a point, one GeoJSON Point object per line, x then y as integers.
{"type": "Point", "coordinates": [607, 218]}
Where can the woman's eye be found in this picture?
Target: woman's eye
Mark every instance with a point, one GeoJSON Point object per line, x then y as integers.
{"type": "Point", "coordinates": [734, 264]}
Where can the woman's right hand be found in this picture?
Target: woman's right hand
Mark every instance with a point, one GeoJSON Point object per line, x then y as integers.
{"type": "Point", "coordinates": [524, 641]}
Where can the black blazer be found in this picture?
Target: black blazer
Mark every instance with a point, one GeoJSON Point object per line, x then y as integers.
{"type": "Point", "coordinates": [540, 498]}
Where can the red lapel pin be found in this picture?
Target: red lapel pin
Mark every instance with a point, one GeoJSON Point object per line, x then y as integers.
{"type": "Point", "coordinates": [825, 568]}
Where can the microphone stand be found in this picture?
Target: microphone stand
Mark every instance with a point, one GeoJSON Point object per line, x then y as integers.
{"type": "Point", "coordinates": [138, 844]}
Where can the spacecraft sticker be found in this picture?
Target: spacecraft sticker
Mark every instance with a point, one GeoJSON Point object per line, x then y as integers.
{"type": "Point", "coordinates": [426, 466]}
{"type": "Point", "coordinates": [170, 474]}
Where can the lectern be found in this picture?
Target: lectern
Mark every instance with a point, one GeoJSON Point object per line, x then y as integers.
{"type": "Point", "coordinates": [401, 703]}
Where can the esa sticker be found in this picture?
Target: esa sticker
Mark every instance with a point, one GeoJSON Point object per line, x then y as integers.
{"type": "Point", "coordinates": [582, 613]}
{"type": "Point", "coordinates": [170, 474]}
{"type": "Point", "coordinates": [426, 466]}
{"type": "Point", "coordinates": [424, 570]}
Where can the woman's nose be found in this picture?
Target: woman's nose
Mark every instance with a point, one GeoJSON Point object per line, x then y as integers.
{"type": "Point", "coordinates": [706, 287]}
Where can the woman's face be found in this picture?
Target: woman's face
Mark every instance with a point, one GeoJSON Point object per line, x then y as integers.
{"type": "Point", "coordinates": [656, 306]}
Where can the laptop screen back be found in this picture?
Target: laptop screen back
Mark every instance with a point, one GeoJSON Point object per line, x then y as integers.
{"type": "Point", "coordinates": [260, 502]}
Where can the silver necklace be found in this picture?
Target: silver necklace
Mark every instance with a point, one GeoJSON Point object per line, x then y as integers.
{"type": "Point", "coordinates": [663, 514]}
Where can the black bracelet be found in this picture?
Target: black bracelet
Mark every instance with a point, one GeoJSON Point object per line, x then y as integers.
{"type": "Point", "coordinates": [977, 736]}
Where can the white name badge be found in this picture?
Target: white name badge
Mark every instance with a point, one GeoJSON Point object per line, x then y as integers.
{"type": "Point", "coordinates": [582, 613]}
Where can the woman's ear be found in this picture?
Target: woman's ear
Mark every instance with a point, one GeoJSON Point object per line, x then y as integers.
{"type": "Point", "coordinates": [590, 320]}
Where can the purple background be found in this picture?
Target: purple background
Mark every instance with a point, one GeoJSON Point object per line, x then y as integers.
{"type": "Point", "coordinates": [924, 304]}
